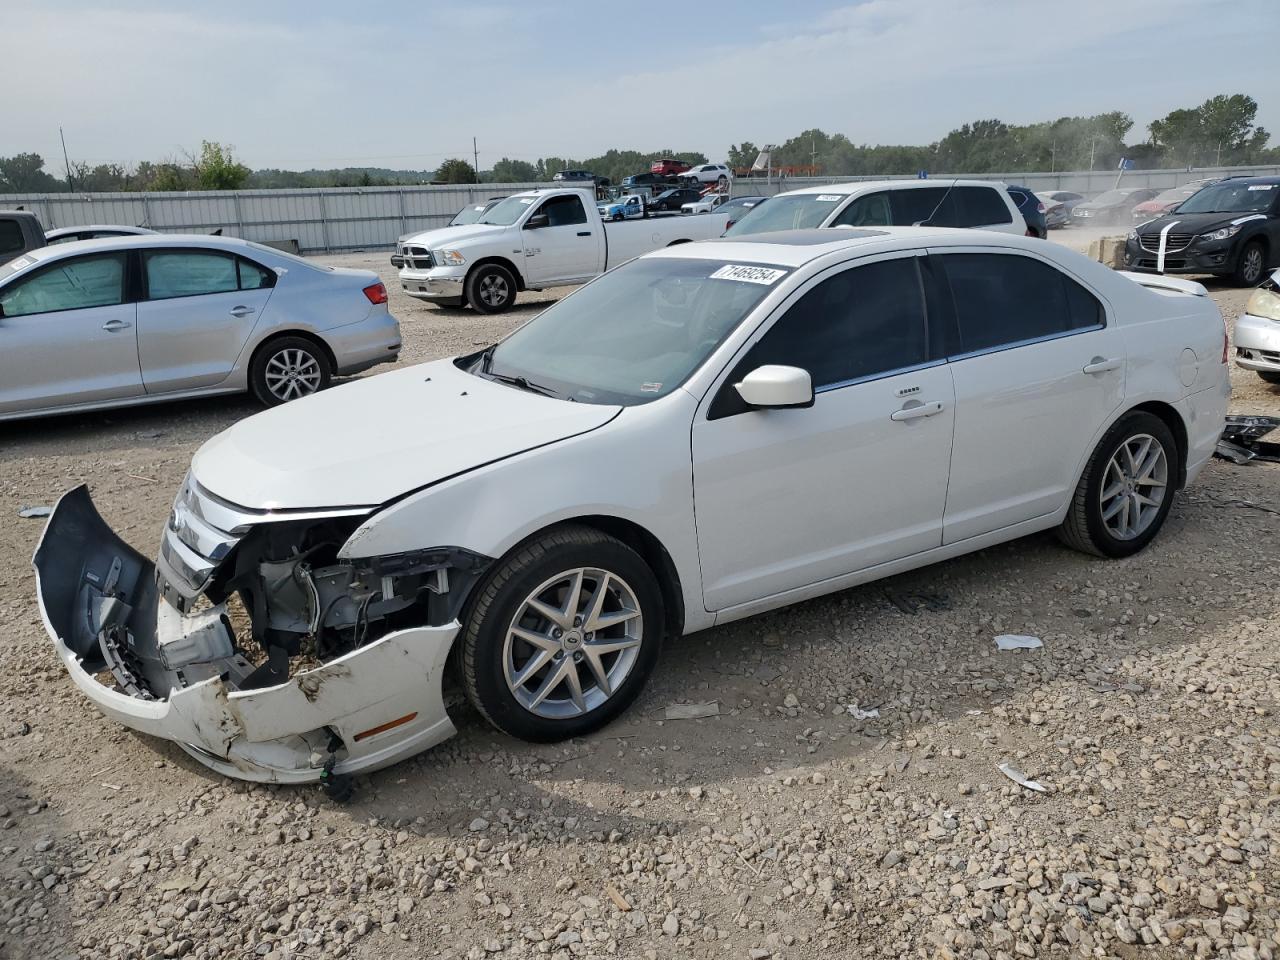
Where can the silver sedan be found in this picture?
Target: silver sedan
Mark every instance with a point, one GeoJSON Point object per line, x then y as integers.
{"type": "Point", "coordinates": [127, 320]}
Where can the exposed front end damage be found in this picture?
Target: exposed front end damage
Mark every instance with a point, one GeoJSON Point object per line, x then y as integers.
{"type": "Point", "coordinates": [249, 642]}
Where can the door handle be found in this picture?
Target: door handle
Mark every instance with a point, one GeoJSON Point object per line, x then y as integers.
{"type": "Point", "coordinates": [584, 233]}
{"type": "Point", "coordinates": [111, 326]}
{"type": "Point", "coordinates": [1102, 365]}
{"type": "Point", "coordinates": [242, 311]}
{"type": "Point", "coordinates": [916, 411]}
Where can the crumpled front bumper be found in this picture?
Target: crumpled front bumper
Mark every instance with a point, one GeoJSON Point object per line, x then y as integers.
{"type": "Point", "coordinates": [359, 712]}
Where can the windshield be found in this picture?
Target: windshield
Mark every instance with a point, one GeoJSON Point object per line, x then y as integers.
{"type": "Point", "coordinates": [293, 258]}
{"type": "Point", "coordinates": [1111, 196]}
{"type": "Point", "coordinates": [468, 215]}
{"type": "Point", "coordinates": [1238, 196]}
{"type": "Point", "coordinates": [795, 212]}
{"type": "Point", "coordinates": [506, 212]}
{"type": "Point", "coordinates": [636, 333]}
{"type": "Point", "coordinates": [1173, 196]}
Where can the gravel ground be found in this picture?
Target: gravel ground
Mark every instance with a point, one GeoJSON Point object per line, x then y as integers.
{"type": "Point", "coordinates": [791, 825]}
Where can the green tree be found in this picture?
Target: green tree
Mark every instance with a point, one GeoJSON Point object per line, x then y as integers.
{"type": "Point", "coordinates": [513, 171]}
{"type": "Point", "coordinates": [456, 171]}
{"type": "Point", "coordinates": [25, 173]}
{"type": "Point", "coordinates": [217, 168]}
{"type": "Point", "coordinates": [742, 155]}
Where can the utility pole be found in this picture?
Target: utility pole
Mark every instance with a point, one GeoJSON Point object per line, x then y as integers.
{"type": "Point", "coordinates": [65, 161]}
{"type": "Point", "coordinates": [813, 154]}
{"type": "Point", "coordinates": [1053, 156]}
{"type": "Point", "coordinates": [475, 156]}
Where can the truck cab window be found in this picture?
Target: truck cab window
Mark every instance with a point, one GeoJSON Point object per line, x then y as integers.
{"type": "Point", "coordinates": [564, 211]}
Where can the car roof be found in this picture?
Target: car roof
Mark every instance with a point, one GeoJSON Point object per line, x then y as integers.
{"type": "Point", "coordinates": [141, 241]}
{"type": "Point", "coordinates": [862, 185]}
{"type": "Point", "coordinates": [82, 227]}
{"type": "Point", "coordinates": [1252, 180]}
{"type": "Point", "coordinates": [795, 248]}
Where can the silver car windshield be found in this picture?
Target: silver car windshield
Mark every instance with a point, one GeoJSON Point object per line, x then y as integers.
{"type": "Point", "coordinates": [799, 211]}
{"type": "Point", "coordinates": [633, 335]}
{"type": "Point", "coordinates": [506, 212]}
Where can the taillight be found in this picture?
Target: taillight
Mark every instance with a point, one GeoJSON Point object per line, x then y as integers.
{"type": "Point", "coordinates": [376, 292]}
{"type": "Point", "coordinates": [1029, 233]}
{"type": "Point", "coordinates": [1040, 207]}
{"type": "Point", "coordinates": [1224, 338]}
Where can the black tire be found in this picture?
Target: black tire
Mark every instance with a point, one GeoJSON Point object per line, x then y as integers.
{"type": "Point", "coordinates": [491, 288]}
{"type": "Point", "coordinates": [499, 600]}
{"type": "Point", "coordinates": [1250, 265]}
{"type": "Point", "coordinates": [1084, 528]}
{"type": "Point", "coordinates": [282, 357]}
{"type": "Point", "coordinates": [1270, 376]}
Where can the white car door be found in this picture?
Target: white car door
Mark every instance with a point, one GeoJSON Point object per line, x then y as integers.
{"type": "Point", "coordinates": [1038, 370]}
{"type": "Point", "coordinates": [563, 246]}
{"type": "Point", "coordinates": [787, 498]}
{"type": "Point", "coordinates": [198, 308]}
{"type": "Point", "coordinates": [67, 336]}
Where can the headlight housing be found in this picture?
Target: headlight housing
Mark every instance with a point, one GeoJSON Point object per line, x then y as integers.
{"type": "Point", "coordinates": [449, 258]}
{"type": "Point", "coordinates": [1133, 235]}
{"type": "Point", "coordinates": [1222, 234]}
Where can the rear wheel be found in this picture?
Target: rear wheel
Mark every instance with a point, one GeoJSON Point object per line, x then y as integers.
{"type": "Point", "coordinates": [1249, 267]}
{"type": "Point", "coordinates": [287, 368]}
{"type": "Point", "coordinates": [1126, 491]}
{"type": "Point", "coordinates": [491, 288]}
{"type": "Point", "coordinates": [562, 635]}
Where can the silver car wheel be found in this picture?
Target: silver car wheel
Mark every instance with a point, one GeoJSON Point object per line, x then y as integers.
{"type": "Point", "coordinates": [1133, 486]}
{"type": "Point", "coordinates": [572, 643]}
{"type": "Point", "coordinates": [292, 373]}
{"type": "Point", "coordinates": [494, 290]}
{"type": "Point", "coordinates": [1252, 268]}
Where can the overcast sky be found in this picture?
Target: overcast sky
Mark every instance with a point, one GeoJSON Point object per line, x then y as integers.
{"type": "Point", "coordinates": [404, 85]}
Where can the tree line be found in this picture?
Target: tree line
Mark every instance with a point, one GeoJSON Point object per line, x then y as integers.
{"type": "Point", "coordinates": [1220, 131]}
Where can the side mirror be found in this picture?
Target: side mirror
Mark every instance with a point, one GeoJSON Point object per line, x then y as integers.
{"type": "Point", "coordinates": [537, 222]}
{"type": "Point", "coordinates": [776, 387]}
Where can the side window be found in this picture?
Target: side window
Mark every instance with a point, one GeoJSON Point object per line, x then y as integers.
{"type": "Point", "coordinates": [917, 206]}
{"type": "Point", "coordinates": [980, 206]}
{"type": "Point", "coordinates": [11, 236]}
{"type": "Point", "coordinates": [73, 284]}
{"type": "Point", "coordinates": [189, 273]}
{"type": "Point", "coordinates": [1004, 299]}
{"type": "Point", "coordinates": [871, 210]}
{"type": "Point", "coordinates": [252, 276]}
{"type": "Point", "coordinates": [865, 321]}
{"type": "Point", "coordinates": [564, 211]}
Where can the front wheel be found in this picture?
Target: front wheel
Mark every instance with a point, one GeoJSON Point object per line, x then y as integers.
{"type": "Point", "coordinates": [491, 288]}
{"type": "Point", "coordinates": [1249, 267]}
{"type": "Point", "coordinates": [562, 635]}
{"type": "Point", "coordinates": [287, 368]}
{"type": "Point", "coordinates": [1127, 489]}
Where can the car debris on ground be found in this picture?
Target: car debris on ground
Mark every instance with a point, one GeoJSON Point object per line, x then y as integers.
{"type": "Point", "coordinates": [1021, 779]}
{"type": "Point", "coordinates": [1018, 641]}
{"type": "Point", "coordinates": [1242, 441]}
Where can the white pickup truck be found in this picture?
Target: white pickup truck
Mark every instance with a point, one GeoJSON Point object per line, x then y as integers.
{"type": "Point", "coordinates": [530, 241]}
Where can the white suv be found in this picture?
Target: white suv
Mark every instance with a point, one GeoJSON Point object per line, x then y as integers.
{"type": "Point", "coordinates": [884, 203]}
{"type": "Point", "coordinates": [709, 173]}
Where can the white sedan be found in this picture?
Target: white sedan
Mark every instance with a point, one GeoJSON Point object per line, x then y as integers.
{"type": "Point", "coordinates": [705, 433]}
{"type": "Point", "coordinates": [706, 205]}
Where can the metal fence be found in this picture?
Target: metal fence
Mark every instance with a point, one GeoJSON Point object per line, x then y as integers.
{"type": "Point", "coordinates": [363, 218]}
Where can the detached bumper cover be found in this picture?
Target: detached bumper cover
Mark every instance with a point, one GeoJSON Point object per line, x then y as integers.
{"type": "Point", "coordinates": [1257, 342]}
{"type": "Point", "coordinates": [99, 602]}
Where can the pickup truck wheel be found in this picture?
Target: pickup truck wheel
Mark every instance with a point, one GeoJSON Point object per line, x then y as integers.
{"type": "Point", "coordinates": [491, 288]}
{"type": "Point", "coordinates": [562, 635]}
{"type": "Point", "coordinates": [1127, 489]}
{"type": "Point", "coordinates": [287, 368]}
{"type": "Point", "coordinates": [1249, 267]}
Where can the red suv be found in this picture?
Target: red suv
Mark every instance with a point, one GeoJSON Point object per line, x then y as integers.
{"type": "Point", "coordinates": [668, 167]}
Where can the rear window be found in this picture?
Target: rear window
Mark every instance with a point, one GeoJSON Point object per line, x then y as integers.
{"type": "Point", "coordinates": [799, 211]}
{"type": "Point", "coordinates": [11, 237]}
{"type": "Point", "coordinates": [980, 206]}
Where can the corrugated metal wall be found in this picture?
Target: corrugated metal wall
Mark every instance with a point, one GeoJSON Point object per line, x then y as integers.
{"type": "Point", "coordinates": [361, 218]}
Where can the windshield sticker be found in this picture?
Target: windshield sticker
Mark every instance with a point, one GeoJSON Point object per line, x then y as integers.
{"type": "Point", "coordinates": [20, 263]}
{"type": "Point", "coordinates": [650, 387]}
{"type": "Point", "coordinates": [766, 276]}
{"type": "Point", "coordinates": [828, 197]}
{"type": "Point", "coordinates": [1263, 186]}
{"type": "Point", "coordinates": [527, 200]}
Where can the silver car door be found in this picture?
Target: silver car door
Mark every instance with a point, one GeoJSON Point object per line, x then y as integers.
{"type": "Point", "coordinates": [67, 337]}
{"type": "Point", "coordinates": [197, 310]}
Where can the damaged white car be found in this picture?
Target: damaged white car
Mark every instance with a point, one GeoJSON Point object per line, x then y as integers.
{"type": "Point", "coordinates": [708, 432]}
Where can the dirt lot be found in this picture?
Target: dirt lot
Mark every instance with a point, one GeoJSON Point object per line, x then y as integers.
{"type": "Point", "coordinates": [784, 827]}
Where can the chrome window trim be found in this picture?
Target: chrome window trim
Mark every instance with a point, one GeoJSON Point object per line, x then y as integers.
{"type": "Point", "coordinates": [954, 358]}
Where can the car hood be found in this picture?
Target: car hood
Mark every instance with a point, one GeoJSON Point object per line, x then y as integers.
{"type": "Point", "coordinates": [1197, 222]}
{"type": "Point", "coordinates": [1152, 207]}
{"type": "Point", "coordinates": [372, 440]}
{"type": "Point", "coordinates": [432, 239]}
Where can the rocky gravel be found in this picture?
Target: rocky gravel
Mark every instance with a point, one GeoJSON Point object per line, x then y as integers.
{"type": "Point", "coordinates": [846, 801]}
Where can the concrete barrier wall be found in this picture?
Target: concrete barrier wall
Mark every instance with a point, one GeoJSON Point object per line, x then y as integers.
{"type": "Point", "coordinates": [362, 218]}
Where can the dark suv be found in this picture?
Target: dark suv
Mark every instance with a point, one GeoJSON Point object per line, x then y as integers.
{"type": "Point", "coordinates": [20, 231]}
{"type": "Point", "coordinates": [1230, 229]}
{"type": "Point", "coordinates": [1032, 210]}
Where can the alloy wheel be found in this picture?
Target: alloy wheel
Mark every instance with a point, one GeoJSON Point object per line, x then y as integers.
{"type": "Point", "coordinates": [494, 290]}
{"type": "Point", "coordinates": [1252, 265]}
{"type": "Point", "coordinates": [1134, 486]}
{"type": "Point", "coordinates": [572, 643]}
{"type": "Point", "coordinates": [292, 373]}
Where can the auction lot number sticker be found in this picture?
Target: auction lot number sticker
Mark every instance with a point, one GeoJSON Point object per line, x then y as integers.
{"type": "Point", "coordinates": [766, 276]}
